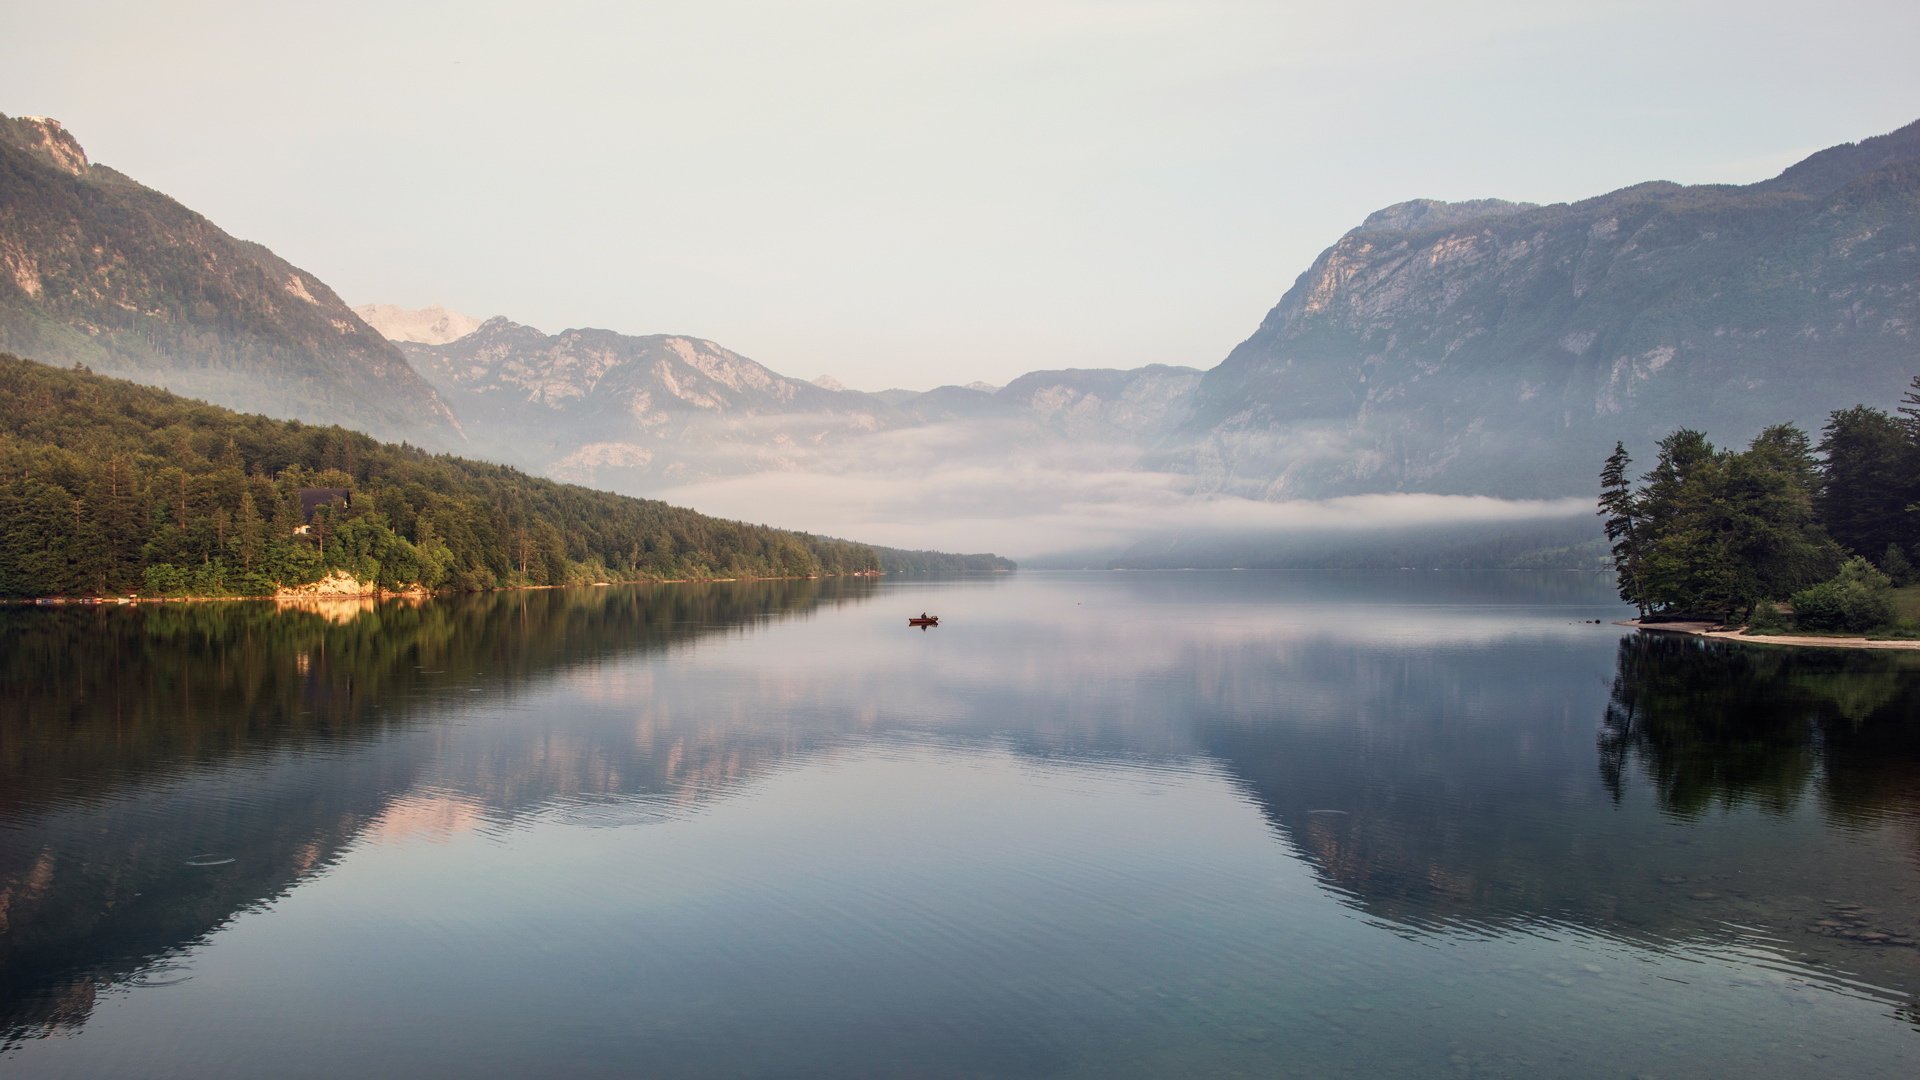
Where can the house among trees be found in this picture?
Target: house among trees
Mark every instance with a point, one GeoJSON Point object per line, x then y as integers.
{"type": "Point", "coordinates": [313, 498]}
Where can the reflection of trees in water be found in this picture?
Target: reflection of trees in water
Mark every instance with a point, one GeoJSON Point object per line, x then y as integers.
{"type": "Point", "coordinates": [132, 739]}
{"type": "Point", "coordinates": [1743, 788]}
{"type": "Point", "coordinates": [92, 694]}
{"type": "Point", "coordinates": [1722, 724]}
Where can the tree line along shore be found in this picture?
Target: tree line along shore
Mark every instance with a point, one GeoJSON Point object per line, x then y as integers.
{"type": "Point", "coordinates": [1786, 537]}
{"type": "Point", "coordinates": [109, 488]}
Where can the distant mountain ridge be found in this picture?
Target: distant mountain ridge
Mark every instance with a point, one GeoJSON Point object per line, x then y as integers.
{"type": "Point", "coordinates": [640, 413]}
{"type": "Point", "coordinates": [1477, 347]}
{"type": "Point", "coordinates": [97, 269]}
{"type": "Point", "coordinates": [599, 407]}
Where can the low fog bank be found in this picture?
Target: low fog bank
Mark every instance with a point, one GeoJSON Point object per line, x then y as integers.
{"type": "Point", "coordinates": [1089, 509]}
{"type": "Point", "coordinates": [1575, 543]}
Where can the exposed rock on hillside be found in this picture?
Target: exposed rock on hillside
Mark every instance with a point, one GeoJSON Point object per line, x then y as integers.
{"type": "Point", "coordinates": [1502, 347]}
{"type": "Point", "coordinates": [96, 269]}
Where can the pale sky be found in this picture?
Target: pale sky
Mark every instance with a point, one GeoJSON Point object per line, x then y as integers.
{"type": "Point", "coordinates": [915, 193]}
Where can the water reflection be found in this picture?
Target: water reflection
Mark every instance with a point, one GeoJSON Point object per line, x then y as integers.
{"type": "Point", "coordinates": [137, 742]}
{"type": "Point", "coordinates": [1086, 807]}
{"type": "Point", "coordinates": [1715, 724]}
{"type": "Point", "coordinates": [1450, 798]}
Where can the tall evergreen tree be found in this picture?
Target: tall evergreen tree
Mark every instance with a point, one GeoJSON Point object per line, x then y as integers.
{"type": "Point", "coordinates": [1868, 481]}
{"type": "Point", "coordinates": [1909, 410]}
{"type": "Point", "coordinates": [1621, 508]}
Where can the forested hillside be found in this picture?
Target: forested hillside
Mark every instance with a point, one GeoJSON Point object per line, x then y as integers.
{"type": "Point", "coordinates": [901, 561]}
{"type": "Point", "coordinates": [109, 487]}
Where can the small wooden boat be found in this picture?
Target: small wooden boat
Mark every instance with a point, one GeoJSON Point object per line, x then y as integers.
{"type": "Point", "coordinates": [924, 620]}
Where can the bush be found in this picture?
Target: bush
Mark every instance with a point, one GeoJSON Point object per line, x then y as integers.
{"type": "Point", "coordinates": [1767, 619]}
{"type": "Point", "coordinates": [164, 579]}
{"type": "Point", "coordinates": [1857, 599]}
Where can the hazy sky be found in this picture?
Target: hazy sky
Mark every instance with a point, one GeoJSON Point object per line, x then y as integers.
{"type": "Point", "coordinates": [906, 194]}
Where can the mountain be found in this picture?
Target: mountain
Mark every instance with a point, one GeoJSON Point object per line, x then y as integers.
{"type": "Point", "coordinates": [427, 326]}
{"type": "Point", "coordinates": [631, 412]}
{"type": "Point", "coordinates": [107, 486]}
{"type": "Point", "coordinates": [1502, 347]}
{"type": "Point", "coordinates": [99, 270]}
{"type": "Point", "coordinates": [641, 413]}
{"type": "Point", "coordinates": [1479, 347]}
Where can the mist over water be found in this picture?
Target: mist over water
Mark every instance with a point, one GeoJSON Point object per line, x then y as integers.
{"type": "Point", "coordinates": [916, 489]}
{"type": "Point", "coordinates": [1093, 824]}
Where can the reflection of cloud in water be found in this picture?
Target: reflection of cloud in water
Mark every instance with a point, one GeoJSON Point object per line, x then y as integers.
{"type": "Point", "coordinates": [1450, 718]}
{"type": "Point", "coordinates": [431, 816]}
{"type": "Point", "coordinates": [137, 739]}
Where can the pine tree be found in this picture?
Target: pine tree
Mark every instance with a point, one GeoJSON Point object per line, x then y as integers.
{"type": "Point", "coordinates": [249, 533]}
{"type": "Point", "coordinates": [1895, 564]}
{"type": "Point", "coordinates": [1909, 410]}
{"type": "Point", "coordinates": [1621, 507]}
{"type": "Point", "coordinates": [1867, 481]}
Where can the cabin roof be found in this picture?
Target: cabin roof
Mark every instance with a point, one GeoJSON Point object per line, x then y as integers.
{"type": "Point", "coordinates": [312, 499]}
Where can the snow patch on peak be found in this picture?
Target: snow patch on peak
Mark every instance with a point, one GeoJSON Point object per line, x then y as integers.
{"type": "Point", "coordinates": [433, 325]}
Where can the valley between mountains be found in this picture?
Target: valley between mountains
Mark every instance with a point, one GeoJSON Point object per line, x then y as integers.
{"type": "Point", "coordinates": [1453, 364]}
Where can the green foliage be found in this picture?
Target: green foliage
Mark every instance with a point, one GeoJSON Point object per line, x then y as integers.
{"type": "Point", "coordinates": [109, 487]}
{"type": "Point", "coordinates": [1717, 534]}
{"type": "Point", "coordinates": [1895, 564]}
{"type": "Point", "coordinates": [1906, 603]}
{"type": "Point", "coordinates": [1872, 476]}
{"type": "Point", "coordinates": [1858, 599]}
{"type": "Point", "coordinates": [1909, 410]}
{"type": "Point", "coordinates": [1768, 619]}
{"type": "Point", "coordinates": [897, 561]}
{"type": "Point", "coordinates": [1622, 510]}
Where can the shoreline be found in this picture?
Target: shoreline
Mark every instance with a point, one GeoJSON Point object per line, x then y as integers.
{"type": "Point", "coordinates": [1719, 633]}
{"type": "Point", "coordinates": [295, 595]}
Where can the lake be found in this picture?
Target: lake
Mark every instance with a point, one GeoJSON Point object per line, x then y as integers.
{"type": "Point", "coordinates": [1091, 825]}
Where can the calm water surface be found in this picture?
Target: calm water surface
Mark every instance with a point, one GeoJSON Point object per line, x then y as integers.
{"type": "Point", "coordinates": [1093, 825]}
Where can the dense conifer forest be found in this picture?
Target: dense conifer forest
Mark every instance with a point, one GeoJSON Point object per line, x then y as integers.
{"type": "Point", "coordinates": [109, 488]}
{"type": "Point", "coordinates": [1831, 528]}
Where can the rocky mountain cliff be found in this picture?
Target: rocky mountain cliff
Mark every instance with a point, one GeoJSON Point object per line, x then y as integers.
{"type": "Point", "coordinates": [96, 269]}
{"type": "Point", "coordinates": [1502, 348]}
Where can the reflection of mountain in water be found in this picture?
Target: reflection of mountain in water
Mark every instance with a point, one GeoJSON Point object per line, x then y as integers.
{"type": "Point", "coordinates": [1460, 794]}
{"type": "Point", "coordinates": [1426, 745]}
{"type": "Point", "coordinates": [134, 742]}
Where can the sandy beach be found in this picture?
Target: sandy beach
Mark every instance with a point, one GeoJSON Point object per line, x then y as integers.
{"type": "Point", "coordinates": [1714, 630]}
